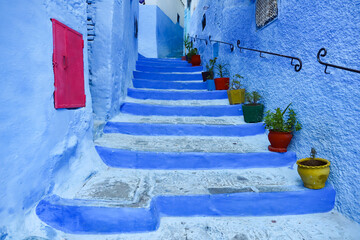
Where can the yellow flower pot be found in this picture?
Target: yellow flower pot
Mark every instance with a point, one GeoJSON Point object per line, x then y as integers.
{"type": "Point", "coordinates": [314, 177]}
{"type": "Point", "coordinates": [236, 96]}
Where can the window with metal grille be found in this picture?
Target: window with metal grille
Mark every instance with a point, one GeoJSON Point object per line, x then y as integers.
{"type": "Point", "coordinates": [266, 12]}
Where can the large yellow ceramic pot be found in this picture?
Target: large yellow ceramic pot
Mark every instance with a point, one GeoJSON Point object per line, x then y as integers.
{"type": "Point", "coordinates": [314, 172]}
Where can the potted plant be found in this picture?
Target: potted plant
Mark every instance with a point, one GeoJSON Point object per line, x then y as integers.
{"type": "Point", "coordinates": [313, 171]}
{"type": "Point", "coordinates": [236, 94]}
{"type": "Point", "coordinates": [188, 46]}
{"type": "Point", "coordinates": [195, 57]}
{"type": "Point", "coordinates": [210, 84]}
{"type": "Point", "coordinates": [222, 82]}
{"type": "Point", "coordinates": [281, 129]}
{"type": "Point", "coordinates": [253, 111]}
{"type": "Point", "coordinates": [209, 74]}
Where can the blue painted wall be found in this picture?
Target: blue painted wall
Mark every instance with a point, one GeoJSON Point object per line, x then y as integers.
{"type": "Point", "coordinates": [40, 147]}
{"type": "Point", "coordinates": [158, 35]}
{"type": "Point", "coordinates": [113, 54]}
{"type": "Point", "coordinates": [327, 105]}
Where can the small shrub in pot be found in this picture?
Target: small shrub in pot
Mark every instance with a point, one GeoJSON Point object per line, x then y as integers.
{"type": "Point", "coordinates": [253, 111]}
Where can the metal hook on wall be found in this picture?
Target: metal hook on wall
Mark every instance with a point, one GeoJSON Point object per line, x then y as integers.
{"type": "Point", "coordinates": [297, 67]}
{"type": "Point", "coordinates": [322, 52]}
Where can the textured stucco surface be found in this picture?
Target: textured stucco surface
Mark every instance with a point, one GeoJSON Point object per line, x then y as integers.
{"type": "Point", "coordinates": [327, 105]}
{"type": "Point", "coordinates": [41, 148]}
{"type": "Point", "coordinates": [113, 54]}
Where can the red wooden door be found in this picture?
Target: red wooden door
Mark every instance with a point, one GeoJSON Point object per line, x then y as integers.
{"type": "Point", "coordinates": [68, 67]}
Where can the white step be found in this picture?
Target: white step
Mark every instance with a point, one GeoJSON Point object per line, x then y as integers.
{"type": "Point", "coordinates": [257, 143]}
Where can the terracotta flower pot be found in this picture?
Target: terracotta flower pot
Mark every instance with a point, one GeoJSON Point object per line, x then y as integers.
{"type": "Point", "coordinates": [279, 141]}
{"type": "Point", "coordinates": [196, 60]}
{"type": "Point", "coordinates": [183, 58]}
{"type": "Point", "coordinates": [253, 113]}
{"type": "Point", "coordinates": [222, 83]}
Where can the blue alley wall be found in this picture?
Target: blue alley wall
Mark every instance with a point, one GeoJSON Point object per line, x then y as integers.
{"type": "Point", "coordinates": [113, 54]}
{"type": "Point", "coordinates": [41, 148]}
{"type": "Point", "coordinates": [327, 105]}
{"type": "Point", "coordinates": [168, 38]}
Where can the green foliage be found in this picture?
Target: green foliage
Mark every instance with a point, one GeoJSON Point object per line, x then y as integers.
{"type": "Point", "coordinates": [188, 44]}
{"type": "Point", "coordinates": [313, 153]}
{"type": "Point", "coordinates": [192, 52]}
{"type": "Point", "coordinates": [222, 70]}
{"type": "Point", "coordinates": [210, 66]}
{"type": "Point", "coordinates": [280, 123]}
{"type": "Point", "coordinates": [235, 82]}
{"type": "Point", "coordinates": [253, 97]}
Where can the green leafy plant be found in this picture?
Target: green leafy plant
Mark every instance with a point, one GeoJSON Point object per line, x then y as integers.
{"type": "Point", "coordinates": [222, 70]}
{"type": "Point", "coordinates": [313, 153]}
{"type": "Point", "coordinates": [210, 65]}
{"type": "Point", "coordinates": [192, 52]}
{"type": "Point", "coordinates": [279, 122]}
{"type": "Point", "coordinates": [253, 97]}
{"type": "Point", "coordinates": [236, 82]}
{"type": "Point", "coordinates": [188, 44]}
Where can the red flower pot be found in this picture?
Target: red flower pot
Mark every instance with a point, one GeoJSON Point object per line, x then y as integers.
{"type": "Point", "coordinates": [279, 141]}
{"type": "Point", "coordinates": [183, 58]}
{"type": "Point", "coordinates": [196, 60]}
{"type": "Point", "coordinates": [222, 83]}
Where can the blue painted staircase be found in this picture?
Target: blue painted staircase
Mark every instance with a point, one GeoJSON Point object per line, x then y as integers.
{"type": "Point", "coordinates": [177, 150]}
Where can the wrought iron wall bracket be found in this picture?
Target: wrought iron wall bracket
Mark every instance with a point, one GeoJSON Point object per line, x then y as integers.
{"type": "Point", "coordinates": [230, 44]}
{"type": "Point", "coordinates": [297, 66]}
{"type": "Point", "coordinates": [322, 52]}
{"type": "Point", "coordinates": [201, 39]}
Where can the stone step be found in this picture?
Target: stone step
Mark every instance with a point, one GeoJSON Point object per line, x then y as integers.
{"type": "Point", "coordinates": [159, 69]}
{"type": "Point", "coordinates": [333, 226]}
{"type": "Point", "coordinates": [136, 187]}
{"type": "Point", "coordinates": [167, 76]}
{"type": "Point", "coordinates": [212, 102]}
{"type": "Point", "coordinates": [168, 110]}
{"type": "Point", "coordinates": [184, 129]}
{"type": "Point", "coordinates": [248, 144]}
{"type": "Point", "coordinates": [86, 217]}
{"type": "Point", "coordinates": [120, 158]}
{"type": "Point", "coordinates": [225, 120]}
{"type": "Point", "coordinates": [164, 63]}
{"type": "Point", "coordinates": [176, 95]}
{"type": "Point", "coordinates": [153, 84]}
{"type": "Point", "coordinates": [161, 59]}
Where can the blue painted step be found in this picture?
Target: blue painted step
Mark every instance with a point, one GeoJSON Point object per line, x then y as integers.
{"type": "Point", "coordinates": [184, 129]}
{"type": "Point", "coordinates": [79, 217]}
{"type": "Point", "coordinates": [145, 68]}
{"type": "Point", "coordinates": [163, 110]}
{"type": "Point", "coordinates": [153, 84]}
{"type": "Point", "coordinates": [176, 95]}
{"type": "Point", "coordinates": [164, 64]}
{"type": "Point", "coordinates": [168, 76]}
{"type": "Point", "coordinates": [162, 59]}
{"type": "Point", "coordinates": [121, 158]}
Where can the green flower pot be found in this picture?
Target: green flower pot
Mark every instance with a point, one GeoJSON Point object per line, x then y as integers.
{"type": "Point", "coordinates": [253, 113]}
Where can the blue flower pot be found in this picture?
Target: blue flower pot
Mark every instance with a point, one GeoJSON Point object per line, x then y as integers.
{"type": "Point", "coordinates": [210, 84]}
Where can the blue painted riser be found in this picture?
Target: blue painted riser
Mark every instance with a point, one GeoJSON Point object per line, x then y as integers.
{"type": "Point", "coordinates": [176, 95]}
{"type": "Point", "coordinates": [184, 129]}
{"type": "Point", "coordinates": [120, 158]}
{"type": "Point", "coordinates": [168, 76]}
{"type": "Point", "coordinates": [71, 216]}
{"type": "Point", "coordinates": [210, 111]}
{"type": "Point", "coordinates": [153, 84]}
{"type": "Point", "coordinates": [145, 68]}
{"type": "Point", "coordinates": [164, 64]}
{"type": "Point", "coordinates": [162, 59]}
